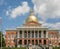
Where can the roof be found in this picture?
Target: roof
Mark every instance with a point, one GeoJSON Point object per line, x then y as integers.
{"type": "Point", "coordinates": [10, 29]}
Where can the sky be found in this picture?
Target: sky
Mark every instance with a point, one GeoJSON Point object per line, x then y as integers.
{"type": "Point", "coordinates": [14, 12]}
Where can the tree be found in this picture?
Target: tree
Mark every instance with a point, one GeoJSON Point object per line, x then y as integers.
{"type": "Point", "coordinates": [3, 40]}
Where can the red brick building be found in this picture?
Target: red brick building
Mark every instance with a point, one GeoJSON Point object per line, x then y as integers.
{"type": "Point", "coordinates": [32, 33]}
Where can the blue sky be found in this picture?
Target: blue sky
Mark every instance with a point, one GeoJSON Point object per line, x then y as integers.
{"type": "Point", "coordinates": [14, 12]}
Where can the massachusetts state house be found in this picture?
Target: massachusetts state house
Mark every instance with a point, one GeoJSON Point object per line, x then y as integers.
{"type": "Point", "coordinates": [31, 32]}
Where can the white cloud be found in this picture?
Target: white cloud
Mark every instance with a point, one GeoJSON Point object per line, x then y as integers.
{"type": "Point", "coordinates": [47, 8]}
{"type": "Point", "coordinates": [51, 25]}
{"type": "Point", "coordinates": [57, 25]}
{"type": "Point", "coordinates": [20, 10]}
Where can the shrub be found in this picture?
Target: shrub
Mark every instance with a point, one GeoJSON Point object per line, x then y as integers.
{"type": "Point", "coordinates": [13, 48]}
{"type": "Point", "coordinates": [56, 47]}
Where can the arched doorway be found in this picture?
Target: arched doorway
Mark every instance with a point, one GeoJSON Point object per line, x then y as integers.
{"type": "Point", "coordinates": [44, 42]}
{"type": "Point", "coordinates": [36, 42]}
{"type": "Point", "coordinates": [25, 42]}
{"type": "Point", "coordinates": [20, 42]}
{"type": "Point", "coordinates": [28, 41]}
{"type": "Point", "coordinates": [59, 44]}
{"type": "Point", "coordinates": [32, 42]}
{"type": "Point", "coordinates": [39, 41]}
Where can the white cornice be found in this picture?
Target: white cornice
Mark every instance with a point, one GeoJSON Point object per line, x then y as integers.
{"type": "Point", "coordinates": [10, 29]}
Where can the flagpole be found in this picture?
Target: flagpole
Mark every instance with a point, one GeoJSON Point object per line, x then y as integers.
{"type": "Point", "coordinates": [1, 31]}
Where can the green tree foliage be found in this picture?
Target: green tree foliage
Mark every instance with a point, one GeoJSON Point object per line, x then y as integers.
{"type": "Point", "coordinates": [3, 40]}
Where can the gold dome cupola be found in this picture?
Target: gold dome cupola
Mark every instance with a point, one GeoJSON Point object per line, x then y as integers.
{"type": "Point", "coordinates": [32, 18]}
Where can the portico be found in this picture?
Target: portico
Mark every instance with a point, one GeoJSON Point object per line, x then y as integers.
{"type": "Point", "coordinates": [34, 36]}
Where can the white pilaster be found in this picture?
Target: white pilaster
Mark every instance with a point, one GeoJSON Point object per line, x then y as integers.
{"type": "Point", "coordinates": [42, 34]}
{"type": "Point", "coordinates": [30, 34]}
{"type": "Point", "coordinates": [22, 34]}
{"type": "Point", "coordinates": [38, 42]}
{"type": "Point", "coordinates": [34, 33]}
{"type": "Point", "coordinates": [27, 34]}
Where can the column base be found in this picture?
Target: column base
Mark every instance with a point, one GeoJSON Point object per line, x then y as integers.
{"type": "Point", "coordinates": [57, 45]}
{"type": "Point", "coordinates": [18, 46]}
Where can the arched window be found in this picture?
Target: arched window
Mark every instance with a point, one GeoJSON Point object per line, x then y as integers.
{"type": "Point", "coordinates": [32, 42]}
{"type": "Point", "coordinates": [39, 41]}
{"type": "Point", "coordinates": [20, 42]}
{"type": "Point", "coordinates": [44, 42]}
{"type": "Point", "coordinates": [59, 44]}
{"type": "Point", "coordinates": [25, 42]}
{"type": "Point", "coordinates": [28, 41]}
{"type": "Point", "coordinates": [36, 42]}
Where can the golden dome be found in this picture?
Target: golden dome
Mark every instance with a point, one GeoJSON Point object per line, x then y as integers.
{"type": "Point", "coordinates": [32, 17]}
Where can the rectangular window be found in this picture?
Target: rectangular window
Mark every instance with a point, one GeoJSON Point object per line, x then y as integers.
{"type": "Point", "coordinates": [36, 34]}
{"type": "Point", "coordinates": [8, 35]}
{"type": "Point", "coordinates": [13, 35]}
{"type": "Point", "coordinates": [28, 34]}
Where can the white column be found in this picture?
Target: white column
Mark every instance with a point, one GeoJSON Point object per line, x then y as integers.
{"type": "Point", "coordinates": [38, 41]}
{"type": "Point", "coordinates": [31, 34]}
{"type": "Point", "coordinates": [27, 34]}
{"type": "Point", "coordinates": [46, 34]}
{"type": "Point", "coordinates": [27, 42]}
{"type": "Point", "coordinates": [18, 44]}
{"type": "Point", "coordinates": [42, 34]}
{"type": "Point", "coordinates": [18, 34]}
{"type": "Point", "coordinates": [34, 33]}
